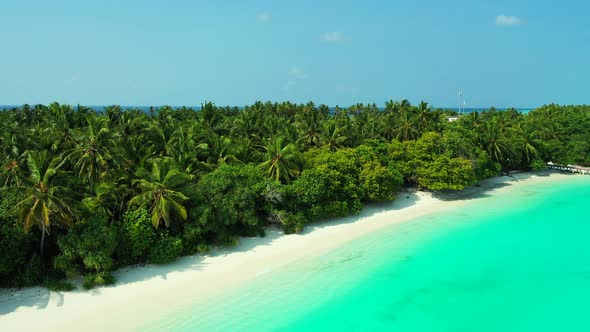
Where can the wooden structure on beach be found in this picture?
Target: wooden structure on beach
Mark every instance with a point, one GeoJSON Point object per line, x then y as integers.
{"type": "Point", "coordinates": [569, 168]}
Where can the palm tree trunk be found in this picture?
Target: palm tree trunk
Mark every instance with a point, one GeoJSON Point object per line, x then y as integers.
{"type": "Point", "coordinates": [42, 242]}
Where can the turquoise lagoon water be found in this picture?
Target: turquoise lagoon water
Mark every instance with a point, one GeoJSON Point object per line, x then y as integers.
{"type": "Point", "coordinates": [513, 262]}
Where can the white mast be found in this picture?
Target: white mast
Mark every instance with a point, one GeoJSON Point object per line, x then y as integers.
{"type": "Point", "coordinates": [460, 103]}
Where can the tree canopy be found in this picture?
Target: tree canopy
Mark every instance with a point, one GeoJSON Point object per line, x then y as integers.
{"type": "Point", "coordinates": [86, 191]}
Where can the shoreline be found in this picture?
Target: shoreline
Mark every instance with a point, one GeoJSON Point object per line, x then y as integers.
{"type": "Point", "coordinates": [154, 291]}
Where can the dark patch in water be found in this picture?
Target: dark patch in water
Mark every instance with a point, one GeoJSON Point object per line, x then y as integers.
{"type": "Point", "coordinates": [340, 260]}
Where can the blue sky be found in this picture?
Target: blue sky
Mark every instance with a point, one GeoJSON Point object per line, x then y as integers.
{"type": "Point", "coordinates": [180, 52]}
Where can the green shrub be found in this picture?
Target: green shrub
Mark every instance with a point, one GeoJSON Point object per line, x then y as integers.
{"type": "Point", "coordinates": [331, 187]}
{"type": "Point", "coordinates": [537, 165]}
{"type": "Point", "coordinates": [102, 278]}
{"type": "Point", "coordinates": [485, 167]}
{"type": "Point", "coordinates": [379, 183]}
{"type": "Point", "coordinates": [166, 250]}
{"type": "Point", "coordinates": [59, 286]}
{"type": "Point", "coordinates": [203, 248]}
{"type": "Point", "coordinates": [28, 274]}
{"type": "Point", "coordinates": [192, 235]}
{"type": "Point", "coordinates": [138, 236]}
{"type": "Point", "coordinates": [230, 201]}
{"type": "Point", "coordinates": [446, 173]}
{"type": "Point", "coordinates": [292, 222]}
{"type": "Point", "coordinates": [15, 247]}
{"type": "Point", "coordinates": [88, 246]}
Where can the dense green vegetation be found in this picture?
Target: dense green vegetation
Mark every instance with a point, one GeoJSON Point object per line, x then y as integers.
{"type": "Point", "coordinates": [84, 193]}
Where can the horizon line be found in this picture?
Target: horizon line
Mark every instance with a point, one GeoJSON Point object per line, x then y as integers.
{"type": "Point", "coordinates": [4, 106]}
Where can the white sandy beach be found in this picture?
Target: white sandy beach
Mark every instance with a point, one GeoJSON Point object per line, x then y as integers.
{"type": "Point", "coordinates": [144, 293]}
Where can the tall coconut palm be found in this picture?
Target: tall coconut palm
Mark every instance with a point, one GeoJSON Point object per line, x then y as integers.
{"type": "Point", "coordinates": [387, 125]}
{"type": "Point", "coordinates": [159, 135]}
{"type": "Point", "coordinates": [473, 120]}
{"type": "Point", "coordinates": [331, 137]}
{"type": "Point", "coordinates": [281, 160]}
{"type": "Point", "coordinates": [61, 126]}
{"type": "Point", "coordinates": [347, 128]}
{"type": "Point", "coordinates": [12, 157]}
{"type": "Point", "coordinates": [185, 150]}
{"type": "Point", "coordinates": [113, 114]}
{"type": "Point", "coordinates": [423, 116]}
{"type": "Point", "coordinates": [211, 116]}
{"type": "Point", "coordinates": [391, 107]}
{"type": "Point", "coordinates": [513, 114]}
{"type": "Point", "coordinates": [160, 191]}
{"type": "Point", "coordinates": [310, 127]}
{"type": "Point", "coordinates": [366, 122]}
{"type": "Point", "coordinates": [245, 124]}
{"type": "Point", "coordinates": [406, 127]}
{"type": "Point", "coordinates": [107, 198]}
{"type": "Point", "coordinates": [552, 131]}
{"type": "Point", "coordinates": [438, 120]}
{"type": "Point", "coordinates": [94, 155]}
{"type": "Point", "coordinates": [45, 201]}
{"type": "Point", "coordinates": [496, 143]}
{"type": "Point", "coordinates": [528, 141]}
{"type": "Point", "coordinates": [221, 149]}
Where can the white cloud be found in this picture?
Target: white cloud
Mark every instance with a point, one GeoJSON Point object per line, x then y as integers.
{"type": "Point", "coordinates": [297, 73]}
{"type": "Point", "coordinates": [264, 17]}
{"type": "Point", "coordinates": [74, 78]}
{"type": "Point", "coordinates": [289, 85]}
{"type": "Point", "coordinates": [333, 37]}
{"type": "Point", "coordinates": [504, 20]}
{"type": "Point", "coordinates": [349, 90]}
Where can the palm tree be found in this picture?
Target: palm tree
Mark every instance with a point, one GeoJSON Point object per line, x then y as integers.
{"type": "Point", "coordinates": [45, 202]}
{"type": "Point", "coordinates": [62, 124]}
{"type": "Point", "coordinates": [221, 149]}
{"type": "Point", "coordinates": [309, 124]}
{"type": "Point", "coordinates": [495, 142]}
{"type": "Point", "coordinates": [438, 120]}
{"type": "Point", "coordinates": [473, 120]}
{"type": "Point", "coordinates": [113, 115]}
{"type": "Point", "coordinates": [405, 129]}
{"type": "Point", "coordinates": [552, 131]}
{"type": "Point", "coordinates": [94, 156]}
{"type": "Point", "coordinates": [404, 104]}
{"type": "Point", "coordinates": [211, 116]}
{"type": "Point", "coordinates": [391, 107]}
{"type": "Point", "coordinates": [423, 114]}
{"type": "Point", "coordinates": [281, 162]}
{"type": "Point", "coordinates": [185, 149]}
{"type": "Point", "coordinates": [347, 128]}
{"type": "Point", "coordinates": [159, 190]}
{"type": "Point", "coordinates": [366, 121]}
{"type": "Point", "coordinates": [331, 136]}
{"type": "Point", "coordinates": [12, 157]}
{"type": "Point", "coordinates": [513, 114]}
{"type": "Point", "coordinates": [528, 141]}
{"type": "Point", "coordinates": [279, 126]}
{"type": "Point", "coordinates": [159, 135]}
{"type": "Point", "coordinates": [107, 198]}
{"type": "Point", "coordinates": [245, 124]}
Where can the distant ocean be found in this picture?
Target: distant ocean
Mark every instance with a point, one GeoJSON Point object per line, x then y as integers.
{"type": "Point", "coordinates": [519, 261]}
{"type": "Point", "coordinates": [147, 108]}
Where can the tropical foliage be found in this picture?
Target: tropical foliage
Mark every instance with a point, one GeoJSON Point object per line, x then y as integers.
{"type": "Point", "coordinates": [87, 191]}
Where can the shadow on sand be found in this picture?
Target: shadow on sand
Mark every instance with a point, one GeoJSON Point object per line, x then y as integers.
{"type": "Point", "coordinates": [36, 297]}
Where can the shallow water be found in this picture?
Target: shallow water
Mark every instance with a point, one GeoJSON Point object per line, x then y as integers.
{"type": "Point", "coordinates": [518, 261]}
